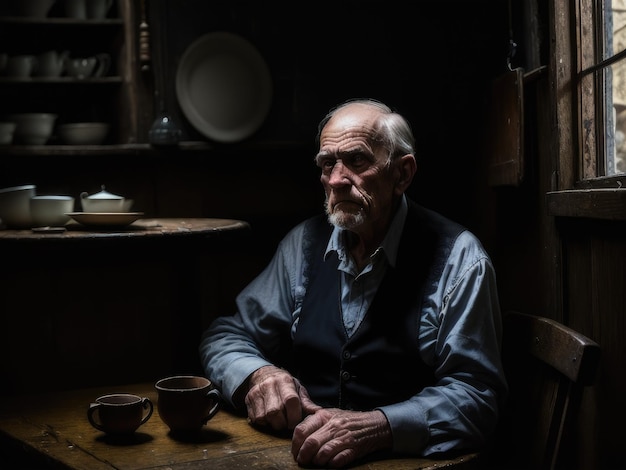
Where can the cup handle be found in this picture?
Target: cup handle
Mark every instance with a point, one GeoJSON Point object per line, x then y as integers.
{"type": "Point", "coordinates": [147, 405]}
{"type": "Point", "coordinates": [90, 415]}
{"type": "Point", "coordinates": [214, 395]}
{"type": "Point", "coordinates": [104, 62]}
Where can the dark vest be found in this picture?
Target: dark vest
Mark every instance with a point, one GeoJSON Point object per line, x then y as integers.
{"type": "Point", "coordinates": [380, 364]}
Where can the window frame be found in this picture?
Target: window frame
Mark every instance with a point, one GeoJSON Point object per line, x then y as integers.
{"type": "Point", "coordinates": [576, 190]}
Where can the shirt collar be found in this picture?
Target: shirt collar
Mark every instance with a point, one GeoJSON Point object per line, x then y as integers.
{"type": "Point", "coordinates": [389, 245]}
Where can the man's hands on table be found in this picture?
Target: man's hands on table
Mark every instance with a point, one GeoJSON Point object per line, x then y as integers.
{"type": "Point", "coordinates": [322, 436]}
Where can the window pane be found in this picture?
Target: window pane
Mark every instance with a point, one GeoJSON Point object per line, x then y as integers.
{"type": "Point", "coordinates": [615, 101]}
{"type": "Point", "coordinates": [615, 25]}
{"type": "Point", "coordinates": [614, 85]}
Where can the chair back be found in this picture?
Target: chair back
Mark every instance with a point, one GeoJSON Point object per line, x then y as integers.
{"type": "Point", "coordinates": [547, 365]}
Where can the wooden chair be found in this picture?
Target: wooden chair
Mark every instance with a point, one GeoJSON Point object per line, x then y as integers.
{"type": "Point", "coordinates": [547, 366]}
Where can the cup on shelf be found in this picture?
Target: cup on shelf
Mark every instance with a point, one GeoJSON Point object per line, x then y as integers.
{"type": "Point", "coordinates": [85, 67]}
{"type": "Point", "coordinates": [98, 9]}
{"type": "Point", "coordinates": [33, 128]}
{"type": "Point", "coordinates": [50, 63]}
{"type": "Point", "coordinates": [15, 206]}
{"type": "Point", "coordinates": [50, 210]}
{"type": "Point", "coordinates": [76, 9]}
{"type": "Point", "coordinates": [20, 66]}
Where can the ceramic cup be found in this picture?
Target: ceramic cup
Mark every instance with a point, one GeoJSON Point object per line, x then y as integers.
{"type": "Point", "coordinates": [119, 413]}
{"type": "Point", "coordinates": [50, 210]}
{"type": "Point", "coordinates": [20, 66]}
{"type": "Point", "coordinates": [186, 402]}
{"type": "Point", "coordinates": [76, 9]}
{"type": "Point", "coordinates": [98, 9]}
{"type": "Point", "coordinates": [15, 206]}
{"type": "Point", "coordinates": [50, 63]}
{"type": "Point", "coordinates": [84, 67]}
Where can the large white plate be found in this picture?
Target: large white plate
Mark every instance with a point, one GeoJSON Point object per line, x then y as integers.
{"type": "Point", "coordinates": [224, 87]}
{"type": "Point", "coordinates": [105, 218]}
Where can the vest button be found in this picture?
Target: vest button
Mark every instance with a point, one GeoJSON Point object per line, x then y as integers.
{"type": "Point", "coordinates": [346, 354]}
{"type": "Point", "coordinates": [345, 376]}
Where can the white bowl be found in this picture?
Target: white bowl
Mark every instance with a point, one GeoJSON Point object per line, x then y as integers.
{"type": "Point", "coordinates": [33, 128]}
{"type": "Point", "coordinates": [15, 206]}
{"type": "Point", "coordinates": [83, 133]}
{"type": "Point", "coordinates": [50, 210]}
{"type": "Point", "coordinates": [7, 129]}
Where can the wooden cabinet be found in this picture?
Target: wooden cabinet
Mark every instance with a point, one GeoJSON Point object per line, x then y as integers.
{"type": "Point", "coordinates": [113, 97]}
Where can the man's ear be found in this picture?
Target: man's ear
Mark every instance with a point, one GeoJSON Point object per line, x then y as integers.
{"type": "Point", "coordinates": [406, 167]}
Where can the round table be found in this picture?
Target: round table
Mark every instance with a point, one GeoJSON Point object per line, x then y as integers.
{"type": "Point", "coordinates": [151, 228]}
{"type": "Point", "coordinates": [97, 305]}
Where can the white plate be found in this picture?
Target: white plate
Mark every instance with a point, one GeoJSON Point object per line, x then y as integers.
{"type": "Point", "coordinates": [224, 87]}
{"type": "Point", "coordinates": [105, 218]}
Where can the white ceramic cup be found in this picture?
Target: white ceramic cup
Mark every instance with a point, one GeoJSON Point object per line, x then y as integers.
{"type": "Point", "coordinates": [50, 210]}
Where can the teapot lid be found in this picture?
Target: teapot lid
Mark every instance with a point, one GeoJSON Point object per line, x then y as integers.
{"type": "Point", "coordinates": [104, 194]}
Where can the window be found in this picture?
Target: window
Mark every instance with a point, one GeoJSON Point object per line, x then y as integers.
{"type": "Point", "coordinates": [588, 62]}
{"type": "Point", "coordinates": [602, 75]}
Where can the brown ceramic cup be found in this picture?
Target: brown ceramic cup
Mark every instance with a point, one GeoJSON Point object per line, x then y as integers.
{"type": "Point", "coordinates": [186, 402]}
{"type": "Point", "coordinates": [119, 413]}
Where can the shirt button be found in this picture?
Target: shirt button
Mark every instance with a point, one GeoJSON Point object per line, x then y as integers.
{"type": "Point", "coordinates": [345, 376]}
{"type": "Point", "coordinates": [346, 354]}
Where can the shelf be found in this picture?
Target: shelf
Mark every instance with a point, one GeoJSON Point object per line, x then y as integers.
{"type": "Point", "coordinates": [145, 149]}
{"type": "Point", "coordinates": [18, 20]}
{"type": "Point", "coordinates": [59, 80]}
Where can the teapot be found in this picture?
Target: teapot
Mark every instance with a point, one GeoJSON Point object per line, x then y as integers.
{"type": "Point", "coordinates": [104, 201]}
{"type": "Point", "coordinates": [51, 63]}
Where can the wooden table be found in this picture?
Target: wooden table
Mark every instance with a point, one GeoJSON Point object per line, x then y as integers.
{"type": "Point", "coordinates": [149, 289]}
{"type": "Point", "coordinates": [53, 428]}
{"type": "Point", "coordinates": [142, 228]}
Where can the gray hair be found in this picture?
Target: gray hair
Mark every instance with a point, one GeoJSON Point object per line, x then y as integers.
{"type": "Point", "coordinates": [394, 131]}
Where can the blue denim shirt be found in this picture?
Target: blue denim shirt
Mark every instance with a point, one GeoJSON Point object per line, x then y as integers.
{"type": "Point", "coordinates": [459, 337]}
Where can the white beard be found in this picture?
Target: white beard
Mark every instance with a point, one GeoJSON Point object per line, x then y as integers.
{"type": "Point", "coordinates": [346, 220]}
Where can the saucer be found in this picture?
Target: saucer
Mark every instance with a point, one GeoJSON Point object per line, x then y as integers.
{"type": "Point", "coordinates": [105, 218]}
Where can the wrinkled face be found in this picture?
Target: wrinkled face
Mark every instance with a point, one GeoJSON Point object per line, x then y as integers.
{"type": "Point", "coordinates": [359, 183]}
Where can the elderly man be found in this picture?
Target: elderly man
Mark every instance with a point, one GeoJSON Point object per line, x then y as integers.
{"type": "Point", "coordinates": [376, 326]}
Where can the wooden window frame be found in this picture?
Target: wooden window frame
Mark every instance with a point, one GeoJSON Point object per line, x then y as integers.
{"type": "Point", "coordinates": [576, 190]}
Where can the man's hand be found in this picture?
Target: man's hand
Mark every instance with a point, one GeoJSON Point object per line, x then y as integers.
{"type": "Point", "coordinates": [277, 399]}
{"type": "Point", "coordinates": [336, 438]}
